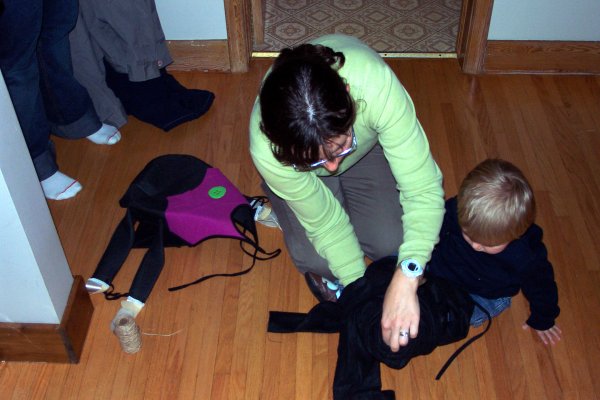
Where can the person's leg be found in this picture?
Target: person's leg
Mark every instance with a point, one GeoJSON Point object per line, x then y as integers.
{"type": "Point", "coordinates": [20, 26]}
{"type": "Point", "coordinates": [301, 250]}
{"type": "Point", "coordinates": [68, 106]}
{"type": "Point", "coordinates": [373, 204]}
{"type": "Point", "coordinates": [129, 36]}
{"type": "Point", "coordinates": [493, 306]}
{"type": "Point", "coordinates": [88, 69]}
{"type": "Point", "coordinates": [368, 193]}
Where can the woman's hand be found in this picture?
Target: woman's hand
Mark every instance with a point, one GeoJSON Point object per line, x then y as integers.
{"type": "Point", "coordinates": [551, 335]}
{"type": "Point", "coordinates": [400, 316]}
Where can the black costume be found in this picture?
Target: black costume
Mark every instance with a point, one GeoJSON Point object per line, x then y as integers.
{"type": "Point", "coordinates": [445, 314]}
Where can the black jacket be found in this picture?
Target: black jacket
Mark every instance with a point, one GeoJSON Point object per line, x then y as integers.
{"type": "Point", "coordinates": [445, 315]}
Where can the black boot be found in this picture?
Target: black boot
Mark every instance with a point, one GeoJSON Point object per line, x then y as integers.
{"type": "Point", "coordinates": [161, 101]}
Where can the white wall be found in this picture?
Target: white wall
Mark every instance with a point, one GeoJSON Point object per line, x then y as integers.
{"type": "Point", "coordinates": [35, 280]}
{"type": "Point", "coordinates": [572, 20]}
{"type": "Point", "coordinates": [192, 19]}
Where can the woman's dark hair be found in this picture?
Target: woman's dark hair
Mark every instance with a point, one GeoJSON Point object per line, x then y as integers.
{"type": "Point", "coordinates": [305, 103]}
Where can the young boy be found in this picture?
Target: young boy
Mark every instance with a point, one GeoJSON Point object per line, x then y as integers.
{"type": "Point", "coordinates": [490, 246]}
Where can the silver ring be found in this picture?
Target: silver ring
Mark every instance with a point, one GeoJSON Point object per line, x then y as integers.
{"type": "Point", "coordinates": [403, 333]}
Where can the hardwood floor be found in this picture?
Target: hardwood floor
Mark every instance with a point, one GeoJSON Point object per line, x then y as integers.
{"type": "Point", "coordinates": [210, 341]}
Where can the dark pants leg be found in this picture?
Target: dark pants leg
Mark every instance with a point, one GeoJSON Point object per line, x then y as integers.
{"type": "Point", "coordinates": [36, 64]}
{"type": "Point", "coordinates": [68, 106]}
{"type": "Point", "coordinates": [20, 27]}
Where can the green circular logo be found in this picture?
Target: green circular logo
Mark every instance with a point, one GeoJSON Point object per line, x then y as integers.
{"type": "Point", "coordinates": [217, 192]}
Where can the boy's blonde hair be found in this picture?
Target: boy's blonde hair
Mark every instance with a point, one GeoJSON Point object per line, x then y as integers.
{"type": "Point", "coordinates": [495, 203]}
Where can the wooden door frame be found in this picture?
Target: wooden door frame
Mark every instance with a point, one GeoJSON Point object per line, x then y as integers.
{"type": "Point", "coordinates": [238, 19]}
{"type": "Point", "coordinates": [244, 20]}
{"type": "Point", "coordinates": [472, 38]}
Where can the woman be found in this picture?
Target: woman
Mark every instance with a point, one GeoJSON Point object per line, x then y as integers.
{"type": "Point", "coordinates": [348, 170]}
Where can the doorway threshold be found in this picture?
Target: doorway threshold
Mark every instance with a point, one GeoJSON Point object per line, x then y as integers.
{"type": "Point", "coordinates": [274, 54]}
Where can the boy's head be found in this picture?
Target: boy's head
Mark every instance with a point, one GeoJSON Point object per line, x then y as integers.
{"type": "Point", "coordinates": [495, 205]}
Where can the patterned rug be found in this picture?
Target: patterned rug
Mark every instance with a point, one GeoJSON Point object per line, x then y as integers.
{"type": "Point", "coordinates": [388, 26]}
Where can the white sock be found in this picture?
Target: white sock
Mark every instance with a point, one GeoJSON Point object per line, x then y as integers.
{"type": "Point", "coordinates": [60, 186]}
{"type": "Point", "coordinates": [130, 307]}
{"type": "Point", "coordinates": [107, 134]}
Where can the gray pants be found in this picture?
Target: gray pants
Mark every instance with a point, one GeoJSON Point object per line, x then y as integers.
{"type": "Point", "coordinates": [368, 193]}
{"type": "Point", "coordinates": [128, 35]}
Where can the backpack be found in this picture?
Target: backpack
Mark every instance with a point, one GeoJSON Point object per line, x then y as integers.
{"type": "Point", "coordinates": [177, 200]}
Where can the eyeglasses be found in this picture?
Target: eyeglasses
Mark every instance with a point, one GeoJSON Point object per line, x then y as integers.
{"type": "Point", "coordinates": [340, 155]}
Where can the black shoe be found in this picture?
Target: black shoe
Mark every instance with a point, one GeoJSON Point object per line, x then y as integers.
{"type": "Point", "coordinates": [319, 288]}
{"type": "Point", "coordinates": [161, 101]}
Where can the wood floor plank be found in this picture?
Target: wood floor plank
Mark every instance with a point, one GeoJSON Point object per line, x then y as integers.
{"type": "Point", "coordinates": [209, 341]}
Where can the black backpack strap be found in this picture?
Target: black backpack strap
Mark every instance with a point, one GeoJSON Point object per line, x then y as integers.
{"type": "Point", "coordinates": [204, 278]}
{"type": "Point", "coordinates": [254, 256]}
{"type": "Point", "coordinates": [250, 234]}
{"type": "Point", "coordinates": [121, 243]}
{"type": "Point", "coordinates": [265, 255]}
{"type": "Point", "coordinates": [243, 272]}
{"type": "Point", "coordinates": [248, 230]}
{"type": "Point", "coordinates": [468, 342]}
{"type": "Point", "coordinates": [150, 267]}
{"type": "Point", "coordinates": [115, 254]}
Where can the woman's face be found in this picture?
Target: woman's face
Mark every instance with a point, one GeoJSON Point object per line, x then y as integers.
{"type": "Point", "coordinates": [339, 147]}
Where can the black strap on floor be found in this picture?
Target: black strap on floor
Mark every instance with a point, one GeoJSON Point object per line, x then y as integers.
{"type": "Point", "coordinates": [467, 343]}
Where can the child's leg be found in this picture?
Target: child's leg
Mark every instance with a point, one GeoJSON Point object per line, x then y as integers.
{"type": "Point", "coordinates": [492, 306]}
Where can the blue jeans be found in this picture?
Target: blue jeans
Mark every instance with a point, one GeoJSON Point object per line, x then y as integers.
{"type": "Point", "coordinates": [35, 60]}
{"type": "Point", "coordinates": [493, 306]}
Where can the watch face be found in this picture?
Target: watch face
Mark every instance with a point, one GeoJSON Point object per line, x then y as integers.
{"type": "Point", "coordinates": [411, 268]}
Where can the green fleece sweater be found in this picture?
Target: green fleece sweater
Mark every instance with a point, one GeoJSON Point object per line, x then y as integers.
{"type": "Point", "coordinates": [385, 115]}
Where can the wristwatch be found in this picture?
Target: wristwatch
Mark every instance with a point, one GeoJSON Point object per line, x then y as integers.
{"type": "Point", "coordinates": [411, 268]}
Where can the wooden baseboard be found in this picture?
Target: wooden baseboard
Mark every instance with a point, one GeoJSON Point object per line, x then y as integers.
{"type": "Point", "coordinates": [56, 343]}
{"type": "Point", "coordinates": [542, 57]}
{"type": "Point", "coordinates": [199, 55]}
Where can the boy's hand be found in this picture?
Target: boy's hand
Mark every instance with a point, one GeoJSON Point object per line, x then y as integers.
{"type": "Point", "coordinates": [551, 335]}
{"type": "Point", "coordinates": [401, 311]}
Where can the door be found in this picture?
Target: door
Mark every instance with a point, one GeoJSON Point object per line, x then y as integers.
{"type": "Point", "coordinates": [246, 18]}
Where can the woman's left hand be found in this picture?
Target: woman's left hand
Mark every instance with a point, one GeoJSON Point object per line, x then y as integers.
{"type": "Point", "coordinates": [401, 312]}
